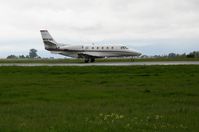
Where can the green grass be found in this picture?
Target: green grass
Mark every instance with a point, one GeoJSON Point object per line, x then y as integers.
{"type": "Point", "coordinates": [137, 98]}
{"type": "Point", "coordinates": [97, 60]}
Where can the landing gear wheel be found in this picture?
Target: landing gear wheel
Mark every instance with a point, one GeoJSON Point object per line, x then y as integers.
{"type": "Point", "coordinates": [86, 60]}
{"type": "Point", "coordinates": [92, 59]}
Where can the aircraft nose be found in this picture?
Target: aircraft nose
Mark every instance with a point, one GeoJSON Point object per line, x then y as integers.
{"type": "Point", "coordinates": [138, 53]}
{"type": "Point", "coordinates": [135, 52]}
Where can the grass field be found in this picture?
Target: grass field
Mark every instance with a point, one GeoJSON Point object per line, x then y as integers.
{"type": "Point", "coordinates": [83, 99]}
{"type": "Point", "coordinates": [97, 60]}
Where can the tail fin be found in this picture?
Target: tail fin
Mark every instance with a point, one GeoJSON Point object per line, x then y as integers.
{"type": "Point", "coordinates": [49, 42]}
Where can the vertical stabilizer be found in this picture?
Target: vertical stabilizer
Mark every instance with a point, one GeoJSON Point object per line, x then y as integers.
{"type": "Point", "coordinates": [49, 42]}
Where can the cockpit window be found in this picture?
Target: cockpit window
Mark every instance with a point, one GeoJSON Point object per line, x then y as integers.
{"type": "Point", "coordinates": [124, 47]}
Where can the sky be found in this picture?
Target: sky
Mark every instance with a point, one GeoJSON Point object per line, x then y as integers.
{"type": "Point", "coordinates": [150, 26]}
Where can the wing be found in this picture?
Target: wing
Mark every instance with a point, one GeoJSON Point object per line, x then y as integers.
{"type": "Point", "coordinates": [90, 55]}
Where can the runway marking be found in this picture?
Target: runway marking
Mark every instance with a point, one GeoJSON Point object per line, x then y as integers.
{"type": "Point", "coordinates": [104, 64]}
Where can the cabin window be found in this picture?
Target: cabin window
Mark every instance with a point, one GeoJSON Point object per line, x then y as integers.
{"type": "Point", "coordinates": [97, 47]}
{"type": "Point", "coordinates": [107, 47]}
{"type": "Point", "coordinates": [112, 47]}
{"type": "Point", "coordinates": [102, 47]}
{"type": "Point", "coordinates": [93, 48]}
{"type": "Point", "coordinates": [82, 47]}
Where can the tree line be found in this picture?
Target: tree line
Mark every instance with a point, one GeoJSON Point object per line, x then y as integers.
{"type": "Point", "coordinates": [194, 54]}
{"type": "Point", "coordinates": [32, 54]}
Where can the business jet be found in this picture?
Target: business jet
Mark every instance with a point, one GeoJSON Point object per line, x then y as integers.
{"type": "Point", "coordinates": [88, 52]}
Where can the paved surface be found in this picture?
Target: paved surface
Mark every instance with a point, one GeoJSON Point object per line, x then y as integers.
{"type": "Point", "coordinates": [107, 64]}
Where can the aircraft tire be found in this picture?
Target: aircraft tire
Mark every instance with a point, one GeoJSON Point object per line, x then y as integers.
{"type": "Point", "coordinates": [86, 60]}
{"type": "Point", "coordinates": [92, 59]}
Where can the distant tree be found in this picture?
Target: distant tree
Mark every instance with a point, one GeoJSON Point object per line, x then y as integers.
{"type": "Point", "coordinates": [22, 57]}
{"type": "Point", "coordinates": [33, 53]}
{"type": "Point", "coordinates": [172, 55]}
{"type": "Point", "coordinates": [156, 56]}
{"type": "Point", "coordinates": [190, 55]}
{"type": "Point", "coordinates": [194, 54]}
{"type": "Point", "coordinates": [183, 55]}
{"type": "Point", "coordinates": [12, 57]}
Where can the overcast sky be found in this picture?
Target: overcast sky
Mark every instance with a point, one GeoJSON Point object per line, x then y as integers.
{"type": "Point", "coordinates": [151, 26]}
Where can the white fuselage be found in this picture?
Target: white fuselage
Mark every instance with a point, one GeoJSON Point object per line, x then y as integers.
{"type": "Point", "coordinates": [98, 51]}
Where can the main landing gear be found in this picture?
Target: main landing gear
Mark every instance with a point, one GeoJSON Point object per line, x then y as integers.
{"type": "Point", "coordinates": [87, 60]}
